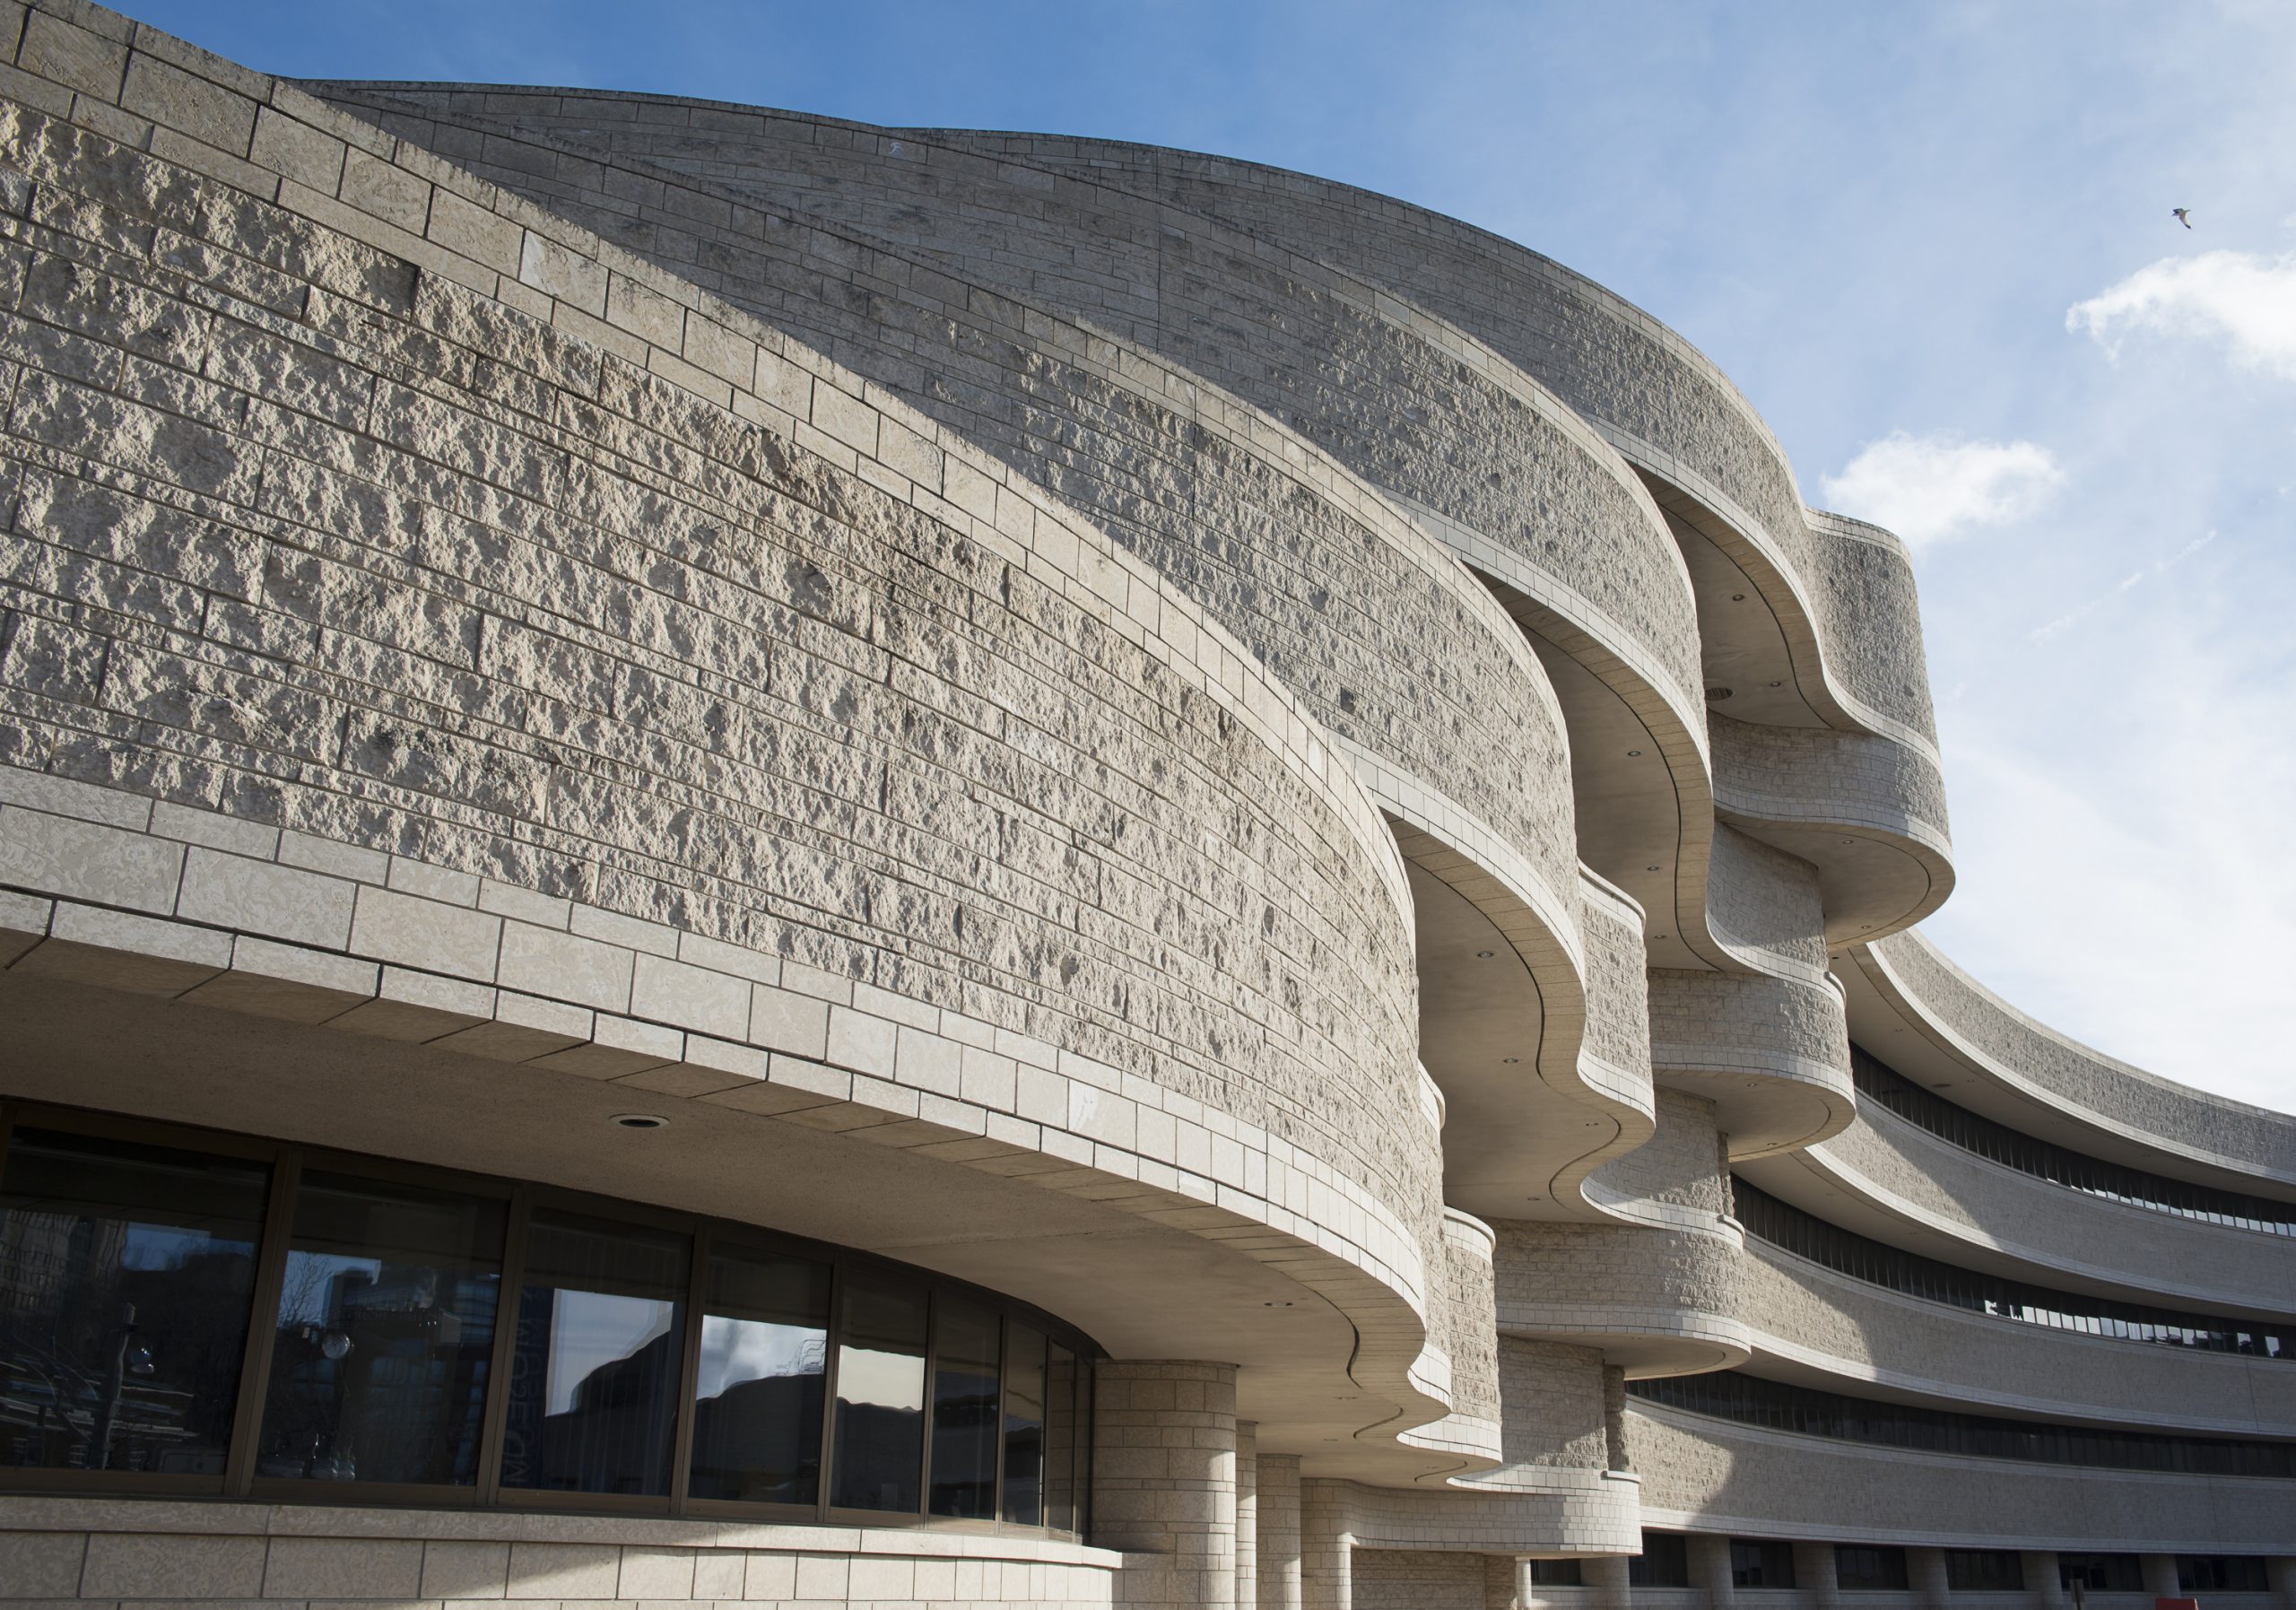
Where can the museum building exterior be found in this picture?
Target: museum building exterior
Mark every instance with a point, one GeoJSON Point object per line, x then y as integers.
{"type": "Point", "coordinates": [744, 858]}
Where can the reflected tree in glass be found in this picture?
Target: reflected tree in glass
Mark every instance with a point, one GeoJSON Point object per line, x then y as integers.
{"type": "Point", "coordinates": [126, 1273]}
{"type": "Point", "coordinates": [759, 1396]}
{"type": "Point", "coordinates": [597, 1358]}
{"type": "Point", "coordinates": [880, 1457]}
{"type": "Point", "coordinates": [385, 1333]}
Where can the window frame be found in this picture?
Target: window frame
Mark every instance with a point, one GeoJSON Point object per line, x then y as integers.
{"type": "Point", "coordinates": [286, 1161]}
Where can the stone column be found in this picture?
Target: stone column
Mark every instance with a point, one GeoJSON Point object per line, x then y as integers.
{"type": "Point", "coordinates": [1925, 1573]}
{"type": "Point", "coordinates": [1164, 1480]}
{"type": "Point", "coordinates": [1614, 1417]}
{"type": "Point", "coordinates": [1279, 1532]}
{"type": "Point", "coordinates": [1606, 1576]}
{"type": "Point", "coordinates": [1814, 1575]}
{"type": "Point", "coordinates": [1247, 1513]}
{"type": "Point", "coordinates": [1709, 1570]}
{"type": "Point", "coordinates": [2040, 1578]}
{"type": "Point", "coordinates": [1326, 1548]}
{"type": "Point", "coordinates": [2160, 1576]}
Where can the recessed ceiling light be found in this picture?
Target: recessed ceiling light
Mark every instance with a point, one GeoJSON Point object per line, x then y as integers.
{"type": "Point", "coordinates": [1649, 869]}
{"type": "Point", "coordinates": [1737, 597]}
{"type": "Point", "coordinates": [1486, 955]}
{"type": "Point", "coordinates": [641, 1121]}
{"type": "Point", "coordinates": [1276, 1305]}
{"type": "Point", "coordinates": [1510, 1059]}
{"type": "Point", "coordinates": [1777, 684]}
{"type": "Point", "coordinates": [1631, 753]}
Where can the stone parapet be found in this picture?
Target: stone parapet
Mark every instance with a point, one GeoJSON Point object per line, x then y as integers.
{"type": "Point", "coordinates": [1926, 1193]}
{"type": "Point", "coordinates": [2052, 1083]}
{"type": "Point", "coordinates": [1712, 1475]}
{"type": "Point", "coordinates": [1806, 1315]}
{"type": "Point", "coordinates": [114, 1552]}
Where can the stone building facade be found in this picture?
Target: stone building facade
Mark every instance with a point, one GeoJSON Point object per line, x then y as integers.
{"type": "Point", "coordinates": [754, 860]}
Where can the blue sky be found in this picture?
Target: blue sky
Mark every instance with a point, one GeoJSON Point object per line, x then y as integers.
{"type": "Point", "coordinates": [1931, 242]}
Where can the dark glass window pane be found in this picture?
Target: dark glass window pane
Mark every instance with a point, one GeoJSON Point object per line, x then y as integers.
{"type": "Point", "coordinates": [1024, 1426]}
{"type": "Point", "coordinates": [2223, 1573]}
{"type": "Point", "coordinates": [1985, 1570]}
{"type": "Point", "coordinates": [1868, 1570]}
{"type": "Point", "coordinates": [126, 1273]}
{"type": "Point", "coordinates": [757, 1417]}
{"type": "Point", "coordinates": [1664, 1561]}
{"type": "Point", "coordinates": [1083, 1519]}
{"type": "Point", "coordinates": [1060, 1439]}
{"type": "Point", "coordinates": [386, 1332]}
{"type": "Point", "coordinates": [2100, 1573]}
{"type": "Point", "coordinates": [966, 1349]}
{"type": "Point", "coordinates": [1757, 1563]}
{"type": "Point", "coordinates": [593, 1379]}
{"type": "Point", "coordinates": [880, 1457]}
{"type": "Point", "coordinates": [1556, 1573]}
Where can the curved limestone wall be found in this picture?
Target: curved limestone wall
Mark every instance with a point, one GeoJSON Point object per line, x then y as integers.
{"type": "Point", "coordinates": [2155, 1122]}
{"type": "Point", "coordinates": [1851, 1335]}
{"type": "Point", "coordinates": [1953, 1204]}
{"type": "Point", "coordinates": [425, 561]}
{"type": "Point", "coordinates": [1744, 1480]}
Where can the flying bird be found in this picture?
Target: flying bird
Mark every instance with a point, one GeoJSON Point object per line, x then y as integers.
{"type": "Point", "coordinates": [2183, 215]}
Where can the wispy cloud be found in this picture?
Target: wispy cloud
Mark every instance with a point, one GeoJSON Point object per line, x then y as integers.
{"type": "Point", "coordinates": [2243, 301]}
{"type": "Point", "coordinates": [2060, 624]}
{"type": "Point", "coordinates": [2130, 896]}
{"type": "Point", "coordinates": [1933, 488]}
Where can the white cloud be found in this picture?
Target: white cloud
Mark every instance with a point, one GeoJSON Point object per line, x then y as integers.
{"type": "Point", "coordinates": [2244, 299]}
{"type": "Point", "coordinates": [1930, 489]}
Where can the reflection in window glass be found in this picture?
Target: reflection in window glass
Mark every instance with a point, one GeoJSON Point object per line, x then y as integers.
{"type": "Point", "coordinates": [597, 1357]}
{"type": "Point", "coordinates": [1664, 1561]}
{"type": "Point", "coordinates": [1760, 1562]}
{"type": "Point", "coordinates": [126, 1276]}
{"type": "Point", "coordinates": [966, 1346]}
{"type": "Point", "coordinates": [1869, 1569]}
{"type": "Point", "coordinates": [880, 1395]}
{"type": "Point", "coordinates": [1063, 1447]}
{"type": "Point", "coordinates": [2100, 1573]}
{"type": "Point", "coordinates": [757, 1423]}
{"type": "Point", "coordinates": [385, 1333]}
{"type": "Point", "coordinates": [2223, 1573]}
{"type": "Point", "coordinates": [1985, 1570]}
{"type": "Point", "coordinates": [1024, 1427]}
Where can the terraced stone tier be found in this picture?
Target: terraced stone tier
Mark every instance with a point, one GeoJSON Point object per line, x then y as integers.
{"type": "Point", "coordinates": [1725, 1477]}
{"type": "Point", "coordinates": [1810, 1325]}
